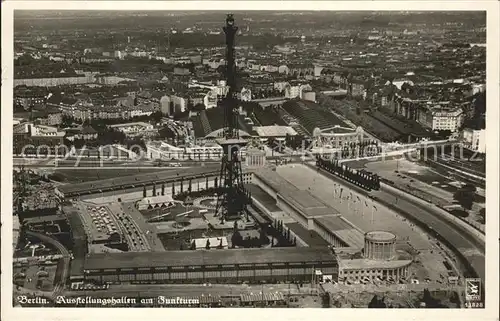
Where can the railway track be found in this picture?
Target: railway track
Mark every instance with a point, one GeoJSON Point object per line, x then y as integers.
{"type": "Point", "coordinates": [59, 287]}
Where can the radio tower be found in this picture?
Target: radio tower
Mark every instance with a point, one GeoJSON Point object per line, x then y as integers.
{"type": "Point", "coordinates": [233, 198]}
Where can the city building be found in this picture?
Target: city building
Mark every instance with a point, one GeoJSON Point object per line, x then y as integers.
{"type": "Point", "coordinates": [85, 133]}
{"type": "Point", "coordinates": [54, 81]}
{"type": "Point", "coordinates": [309, 95]}
{"type": "Point", "coordinates": [166, 105]}
{"type": "Point", "coordinates": [210, 100]}
{"type": "Point", "coordinates": [179, 70]}
{"type": "Point", "coordinates": [53, 118]}
{"type": "Point", "coordinates": [246, 94]}
{"type": "Point", "coordinates": [441, 117]}
{"type": "Point", "coordinates": [135, 129]}
{"type": "Point", "coordinates": [179, 103]}
{"type": "Point", "coordinates": [474, 139]}
{"type": "Point", "coordinates": [164, 151]}
{"type": "Point", "coordinates": [294, 91]}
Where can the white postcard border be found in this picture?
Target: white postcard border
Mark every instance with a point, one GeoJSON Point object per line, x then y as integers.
{"type": "Point", "coordinates": [492, 191]}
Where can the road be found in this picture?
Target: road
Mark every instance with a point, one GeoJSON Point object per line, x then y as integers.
{"type": "Point", "coordinates": [430, 215]}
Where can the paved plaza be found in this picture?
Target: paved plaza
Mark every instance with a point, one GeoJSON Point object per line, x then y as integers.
{"type": "Point", "coordinates": [359, 212]}
{"type": "Point", "coordinates": [355, 207]}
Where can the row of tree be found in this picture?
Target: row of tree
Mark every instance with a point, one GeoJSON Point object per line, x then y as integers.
{"type": "Point", "coordinates": [283, 236]}
{"type": "Point", "coordinates": [363, 179]}
{"type": "Point", "coordinates": [297, 141]}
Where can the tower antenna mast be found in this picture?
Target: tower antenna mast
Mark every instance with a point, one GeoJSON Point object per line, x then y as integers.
{"type": "Point", "coordinates": [233, 198]}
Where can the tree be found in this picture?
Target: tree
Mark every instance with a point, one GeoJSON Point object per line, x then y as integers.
{"type": "Point", "coordinates": [157, 116]}
{"type": "Point", "coordinates": [189, 186]}
{"type": "Point", "coordinates": [199, 107]}
{"type": "Point", "coordinates": [163, 189]}
{"type": "Point", "coordinates": [173, 189]}
{"type": "Point", "coordinates": [208, 245]}
{"type": "Point", "coordinates": [326, 300]}
{"type": "Point", "coordinates": [154, 189]}
{"type": "Point", "coordinates": [376, 303]}
{"type": "Point", "coordinates": [190, 104]}
{"type": "Point", "coordinates": [465, 196]}
{"type": "Point", "coordinates": [429, 301]}
{"type": "Point", "coordinates": [264, 240]}
{"type": "Point", "coordinates": [236, 239]}
{"type": "Point", "coordinates": [144, 192]}
{"type": "Point", "coordinates": [206, 182]}
{"type": "Point", "coordinates": [482, 214]}
{"type": "Point", "coordinates": [166, 132]}
{"type": "Point", "coordinates": [271, 142]}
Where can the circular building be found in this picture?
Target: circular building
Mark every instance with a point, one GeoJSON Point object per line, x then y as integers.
{"type": "Point", "coordinates": [380, 245]}
{"type": "Point", "coordinates": [337, 136]}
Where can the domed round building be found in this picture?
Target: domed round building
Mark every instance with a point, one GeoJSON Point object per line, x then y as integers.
{"type": "Point", "coordinates": [378, 262]}
{"type": "Point", "coordinates": [380, 245]}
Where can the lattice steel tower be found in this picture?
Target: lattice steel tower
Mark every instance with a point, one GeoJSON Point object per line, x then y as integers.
{"type": "Point", "coordinates": [233, 198]}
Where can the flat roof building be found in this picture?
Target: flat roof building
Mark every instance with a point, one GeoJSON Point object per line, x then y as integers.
{"type": "Point", "coordinates": [226, 265]}
{"type": "Point", "coordinates": [213, 242]}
